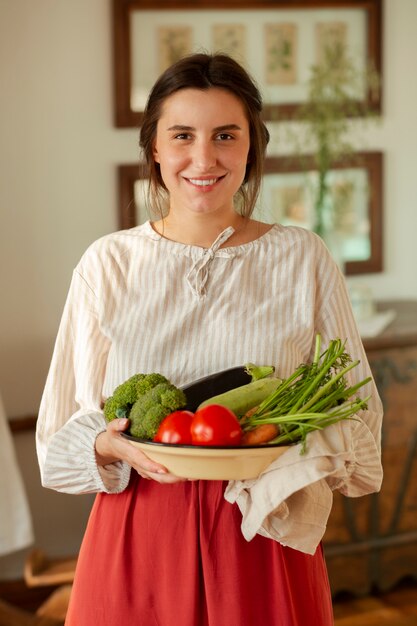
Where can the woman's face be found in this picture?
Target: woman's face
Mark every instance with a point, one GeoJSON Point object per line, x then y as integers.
{"type": "Point", "coordinates": [202, 145]}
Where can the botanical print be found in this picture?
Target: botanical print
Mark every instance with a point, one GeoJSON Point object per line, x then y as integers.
{"type": "Point", "coordinates": [281, 54]}
{"type": "Point", "coordinates": [290, 205]}
{"type": "Point", "coordinates": [230, 39]}
{"type": "Point", "coordinates": [174, 42]}
{"type": "Point", "coordinates": [346, 217]}
{"type": "Point", "coordinates": [330, 36]}
{"type": "Point", "coordinates": [344, 214]}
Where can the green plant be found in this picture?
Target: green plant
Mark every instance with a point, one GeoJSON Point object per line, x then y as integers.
{"type": "Point", "coordinates": [326, 117]}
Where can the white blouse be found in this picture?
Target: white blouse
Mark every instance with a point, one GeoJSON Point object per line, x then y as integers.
{"type": "Point", "coordinates": [142, 303]}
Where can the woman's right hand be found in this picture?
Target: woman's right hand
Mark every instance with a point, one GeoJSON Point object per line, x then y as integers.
{"type": "Point", "coordinates": [111, 447]}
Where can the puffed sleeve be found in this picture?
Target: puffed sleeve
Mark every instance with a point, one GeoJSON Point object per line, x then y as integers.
{"type": "Point", "coordinates": [291, 501]}
{"type": "Point", "coordinates": [70, 414]}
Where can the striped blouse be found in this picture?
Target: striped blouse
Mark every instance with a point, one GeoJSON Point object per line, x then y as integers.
{"type": "Point", "coordinates": [141, 303]}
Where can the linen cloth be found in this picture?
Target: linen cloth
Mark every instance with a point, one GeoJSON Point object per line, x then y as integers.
{"type": "Point", "coordinates": [139, 303]}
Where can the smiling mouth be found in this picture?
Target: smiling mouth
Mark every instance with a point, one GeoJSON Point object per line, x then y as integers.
{"type": "Point", "coordinates": [207, 182]}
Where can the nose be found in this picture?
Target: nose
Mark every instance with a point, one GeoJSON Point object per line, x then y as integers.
{"type": "Point", "coordinates": [204, 155]}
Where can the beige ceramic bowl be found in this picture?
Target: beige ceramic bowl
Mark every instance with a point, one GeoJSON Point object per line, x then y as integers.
{"type": "Point", "coordinates": [211, 463]}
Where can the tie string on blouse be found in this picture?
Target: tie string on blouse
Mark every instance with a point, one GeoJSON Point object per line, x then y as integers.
{"type": "Point", "coordinates": [198, 275]}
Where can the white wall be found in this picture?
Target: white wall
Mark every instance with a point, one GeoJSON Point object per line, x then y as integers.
{"type": "Point", "coordinates": [58, 155]}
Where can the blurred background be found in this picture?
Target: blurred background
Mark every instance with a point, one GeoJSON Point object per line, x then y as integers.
{"type": "Point", "coordinates": [59, 154]}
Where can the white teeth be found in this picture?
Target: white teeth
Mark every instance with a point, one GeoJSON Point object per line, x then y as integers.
{"type": "Point", "coordinates": [203, 183]}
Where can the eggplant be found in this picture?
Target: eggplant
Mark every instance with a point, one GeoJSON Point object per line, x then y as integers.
{"type": "Point", "coordinates": [215, 384]}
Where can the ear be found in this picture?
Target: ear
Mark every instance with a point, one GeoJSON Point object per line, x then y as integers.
{"type": "Point", "coordinates": [155, 153]}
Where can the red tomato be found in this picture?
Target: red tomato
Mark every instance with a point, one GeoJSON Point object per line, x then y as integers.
{"type": "Point", "coordinates": [175, 428]}
{"type": "Point", "coordinates": [215, 425]}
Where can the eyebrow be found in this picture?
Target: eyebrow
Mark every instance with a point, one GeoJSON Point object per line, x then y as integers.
{"type": "Point", "coordinates": [218, 129]}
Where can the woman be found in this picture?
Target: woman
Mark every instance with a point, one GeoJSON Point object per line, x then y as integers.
{"type": "Point", "coordinates": [203, 288]}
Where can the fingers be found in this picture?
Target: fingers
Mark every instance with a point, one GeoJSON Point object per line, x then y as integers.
{"type": "Point", "coordinates": [124, 450]}
{"type": "Point", "coordinates": [150, 470]}
{"type": "Point", "coordinates": [146, 468]}
{"type": "Point", "coordinates": [118, 425]}
{"type": "Point", "coordinates": [164, 478]}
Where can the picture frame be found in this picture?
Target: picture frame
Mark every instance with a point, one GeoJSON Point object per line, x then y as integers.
{"type": "Point", "coordinates": [292, 32]}
{"type": "Point", "coordinates": [286, 197]}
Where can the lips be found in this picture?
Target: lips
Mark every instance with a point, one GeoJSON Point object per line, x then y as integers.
{"type": "Point", "coordinates": [204, 182]}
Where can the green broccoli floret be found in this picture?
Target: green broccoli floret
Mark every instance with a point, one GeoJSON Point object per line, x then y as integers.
{"type": "Point", "coordinates": [124, 396]}
{"type": "Point", "coordinates": [146, 383]}
{"type": "Point", "coordinates": [150, 409]}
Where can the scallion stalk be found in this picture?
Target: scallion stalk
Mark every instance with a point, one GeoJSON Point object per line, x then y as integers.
{"type": "Point", "coordinates": [314, 396]}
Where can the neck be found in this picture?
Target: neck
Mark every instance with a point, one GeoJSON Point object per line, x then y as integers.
{"type": "Point", "coordinates": [201, 231]}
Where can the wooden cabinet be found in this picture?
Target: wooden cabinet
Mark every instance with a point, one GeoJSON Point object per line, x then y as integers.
{"type": "Point", "coordinates": [371, 542]}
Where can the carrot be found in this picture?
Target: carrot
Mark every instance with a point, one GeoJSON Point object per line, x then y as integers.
{"type": "Point", "coordinates": [260, 434]}
{"type": "Point", "coordinates": [249, 413]}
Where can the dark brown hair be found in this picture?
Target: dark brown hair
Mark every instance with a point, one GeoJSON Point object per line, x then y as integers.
{"type": "Point", "coordinates": [203, 71]}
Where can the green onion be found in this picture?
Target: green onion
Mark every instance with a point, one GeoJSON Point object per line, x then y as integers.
{"type": "Point", "coordinates": [314, 396]}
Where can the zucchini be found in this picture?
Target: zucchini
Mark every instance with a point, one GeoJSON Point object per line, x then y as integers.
{"type": "Point", "coordinates": [241, 399]}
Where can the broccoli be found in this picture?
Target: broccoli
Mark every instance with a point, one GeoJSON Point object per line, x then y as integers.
{"type": "Point", "coordinates": [152, 407]}
{"type": "Point", "coordinates": [149, 381]}
{"type": "Point", "coordinates": [124, 396]}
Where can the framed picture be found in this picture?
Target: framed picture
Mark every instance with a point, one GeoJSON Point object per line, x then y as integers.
{"type": "Point", "coordinates": [277, 41]}
{"type": "Point", "coordinates": [354, 227]}
{"type": "Point", "coordinates": [352, 215]}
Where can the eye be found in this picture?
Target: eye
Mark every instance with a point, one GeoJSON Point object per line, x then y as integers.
{"type": "Point", "coordinates": [225, 136]}
{"type": "Point", "coordinates": [182, 136]}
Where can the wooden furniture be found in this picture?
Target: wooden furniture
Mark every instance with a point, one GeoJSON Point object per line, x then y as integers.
{"type": "Point", "coordinates": [371, 542]}
{"type": "Point", "coordinates": [394, 608]}
{"type": "Point", "coordinates": [42, 571]}
{"type": "Point", "coordinates": [13, 616]}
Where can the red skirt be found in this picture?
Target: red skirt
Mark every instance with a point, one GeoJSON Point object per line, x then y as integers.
{"type": "Point", "coordinates": [174, 555]}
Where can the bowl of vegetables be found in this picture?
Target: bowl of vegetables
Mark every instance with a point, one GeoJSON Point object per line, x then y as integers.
{"type": "Point", "coordinates": [233, 424]}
